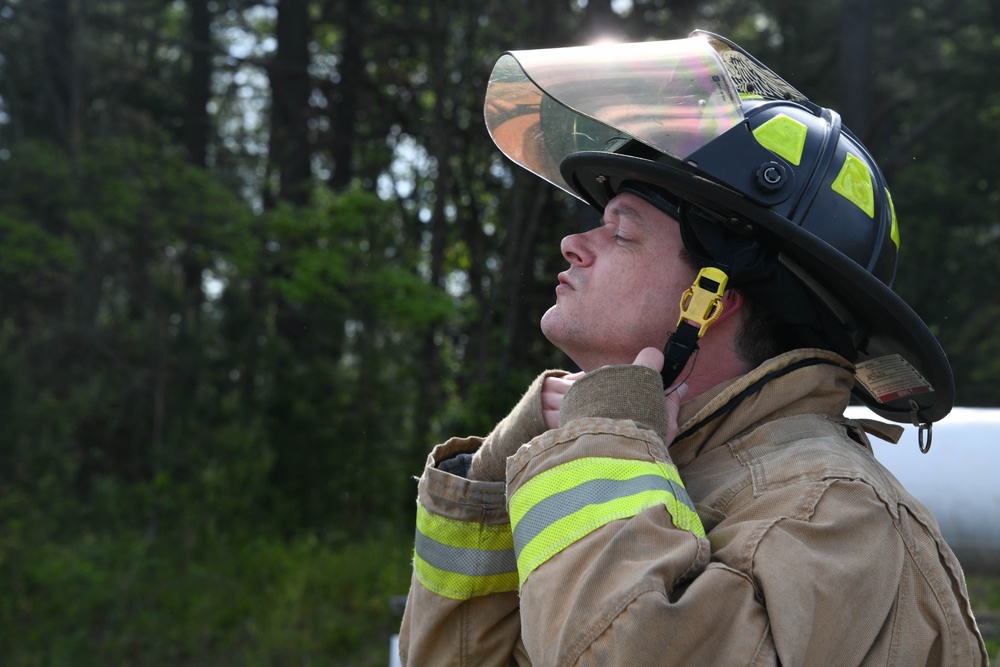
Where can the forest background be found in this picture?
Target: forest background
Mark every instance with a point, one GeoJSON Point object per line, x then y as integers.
{"type": "Point", "coordinates": [256, 257]}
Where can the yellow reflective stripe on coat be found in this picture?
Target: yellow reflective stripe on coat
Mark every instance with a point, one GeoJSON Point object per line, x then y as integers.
{"type": "Point", "coordinates": [463, 559]}
{"type": "Point", "coordinates": [558, 507]}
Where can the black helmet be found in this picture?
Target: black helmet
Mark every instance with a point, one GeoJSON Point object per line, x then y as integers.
{"type": "Point", "coordinates": [762, 180]}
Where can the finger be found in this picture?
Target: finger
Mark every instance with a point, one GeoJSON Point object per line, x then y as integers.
{"type": "Point", "coordinates": [650, 357]}
{"type": "Point", "coordinates": [560, 385]}
{"type": "Point", "coordinates": [551, 400]}
{"type": "Point", "coordinates": [672, 400]}
{"type": "Point", "coordinates": [679, 389]}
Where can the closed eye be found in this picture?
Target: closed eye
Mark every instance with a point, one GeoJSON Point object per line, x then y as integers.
{"type": "Point", "coordinates": [620, 234]}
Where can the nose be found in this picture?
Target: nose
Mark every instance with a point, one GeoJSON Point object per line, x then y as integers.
{"type": "Point", "coordinates": [576, 250]}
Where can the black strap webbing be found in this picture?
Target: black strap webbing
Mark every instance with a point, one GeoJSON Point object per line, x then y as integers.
{"type": "Point", "coordinates": [682, 344]}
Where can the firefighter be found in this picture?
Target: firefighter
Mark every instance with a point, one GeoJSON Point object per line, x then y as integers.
{"type": "Point", "coordinates": [695, 494]}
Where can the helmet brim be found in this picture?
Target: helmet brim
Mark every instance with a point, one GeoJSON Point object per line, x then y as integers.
{"type": "Point", "coordinates": [902, 373]}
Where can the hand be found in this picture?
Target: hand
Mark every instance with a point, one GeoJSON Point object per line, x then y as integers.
{"type": "Point", "coordinates": [651, 357]}
{"type": "Point", "coordinates": [525, 421]}
{"type": "Point", "coordinates": [553, 391]}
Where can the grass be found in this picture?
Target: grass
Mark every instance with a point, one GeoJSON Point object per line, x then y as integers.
{"type": "Point", "coordinates": [265, 602]}
{"type": "Point", "coordinates": [984, 594]}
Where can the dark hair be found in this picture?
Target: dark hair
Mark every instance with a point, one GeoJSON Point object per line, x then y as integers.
{"type": "Point", "coordinates": [759, 337]}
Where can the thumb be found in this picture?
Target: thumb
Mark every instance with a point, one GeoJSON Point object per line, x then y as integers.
{"type": "Point", "coordinates": [650, 357]}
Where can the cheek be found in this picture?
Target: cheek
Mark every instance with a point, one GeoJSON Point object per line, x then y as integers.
{"type": "Point", "coordinates": [657, 285]}
{"type": "Point", "coordinates": [659, 298]}
{"type": "Point", "coordinates": [653, 309]}
{"type": "Point", "coordinates": [660, 314]}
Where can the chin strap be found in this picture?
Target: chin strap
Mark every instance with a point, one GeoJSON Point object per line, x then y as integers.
{"type": "Point", "coordinates": [701, 306]}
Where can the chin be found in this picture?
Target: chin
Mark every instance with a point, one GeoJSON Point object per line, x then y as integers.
{"type": "Point", "coordinates": [549, 324]}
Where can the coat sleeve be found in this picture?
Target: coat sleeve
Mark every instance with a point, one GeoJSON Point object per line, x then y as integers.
{"type": "Point", "coordinates": [462, 607]}
{"type": "Point", "coordinates": [613, 562]}
{"type": "Point", "coordinates": [463, 604]}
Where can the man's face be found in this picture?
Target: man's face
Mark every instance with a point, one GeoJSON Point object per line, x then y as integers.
{"type": "Point", "coordinates": [623, 286]}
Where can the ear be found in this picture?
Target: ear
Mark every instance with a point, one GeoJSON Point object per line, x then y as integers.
{"type": "Point", "coordinates": [732, 302]}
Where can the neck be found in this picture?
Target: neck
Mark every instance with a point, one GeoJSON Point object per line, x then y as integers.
{"type": "Point", "coordinates": [715, 361]}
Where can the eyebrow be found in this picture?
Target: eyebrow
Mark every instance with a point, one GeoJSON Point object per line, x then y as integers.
{"type": "Point", "coordinates": [623, 210]}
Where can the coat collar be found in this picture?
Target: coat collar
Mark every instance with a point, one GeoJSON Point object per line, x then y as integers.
{"type": "Point", "coordinates": [797, 382]}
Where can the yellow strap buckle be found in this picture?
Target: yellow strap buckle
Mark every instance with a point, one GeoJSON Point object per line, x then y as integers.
{"type": "Point", "coordinates": [701, 304]}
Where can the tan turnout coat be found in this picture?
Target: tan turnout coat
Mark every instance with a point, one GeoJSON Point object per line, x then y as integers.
{"type": "Point", "coordinates": [814, 554]}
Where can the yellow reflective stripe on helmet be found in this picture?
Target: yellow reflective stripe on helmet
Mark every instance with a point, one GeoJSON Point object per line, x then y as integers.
{"type": "Point", "coordinates": [784, 136]}
{"type": "Point", "coordinates": [463, 559]}
{"type": "Point", "coordinates": [894, 230]}
{"type": "Point", "coordinates": [855, 182]}
{"type": "Point", "coordinates": [558, 507]}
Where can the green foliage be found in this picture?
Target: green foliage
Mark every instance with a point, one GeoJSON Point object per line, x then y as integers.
{"type": "Point", "coordinates": [130, 599]}
{"type": "Point", "coordinates": [984, 595]}
{"type": "Point", "coordinates": [351, 254]}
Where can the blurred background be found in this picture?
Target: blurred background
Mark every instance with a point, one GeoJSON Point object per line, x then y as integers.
{"type": "Point", "coordinates": [257, 257]}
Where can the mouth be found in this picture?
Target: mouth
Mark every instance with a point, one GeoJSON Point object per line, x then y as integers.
{"type": "Point", "coordinates": [564, 282]}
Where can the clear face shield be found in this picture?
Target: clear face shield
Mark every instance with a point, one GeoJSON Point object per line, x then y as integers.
{"type": "Point", "coordinates": [674, 96]}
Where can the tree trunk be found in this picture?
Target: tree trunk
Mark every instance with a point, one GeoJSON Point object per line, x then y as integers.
{"type": "Point", "coordinates": [290, 88]}
{"type": "Point", "coordinates": [199, 82]}
{"type": "Point", "coordinates": [439, 149]}
{"type": "Point", "coordinates": [345, 112]}
{"type": "Point", "coordinates": [855, 64]}
{"type": "Point", "coordinates": [599, 21]}
{"type": "Point", "coordinates": [63, 24]}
